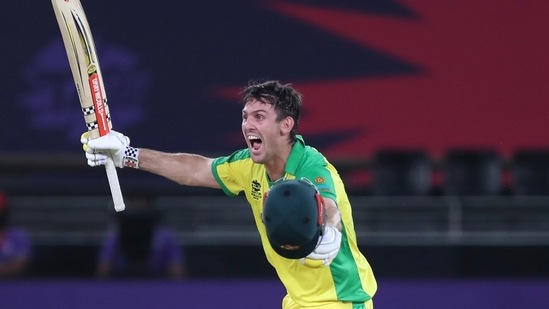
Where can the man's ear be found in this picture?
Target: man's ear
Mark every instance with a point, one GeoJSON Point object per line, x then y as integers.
{"type": "Point", "coordinates": [287, 125]}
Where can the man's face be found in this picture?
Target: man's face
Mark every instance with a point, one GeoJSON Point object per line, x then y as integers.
{"type": "Point", "coordinates": [262, 132]}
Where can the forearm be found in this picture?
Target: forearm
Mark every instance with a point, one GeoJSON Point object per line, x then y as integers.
{"type": "Point", "coordinates": [183, 168]}
{"type": "Point", "coordinates": [333, 216]}
{"type": "Point", "coordinates": [330, 242]}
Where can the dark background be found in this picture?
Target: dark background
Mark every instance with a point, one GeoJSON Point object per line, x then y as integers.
{"type": "Point", "coordinates": [374, 73]}
{"type": "Point", "coordinates": [433, 75]}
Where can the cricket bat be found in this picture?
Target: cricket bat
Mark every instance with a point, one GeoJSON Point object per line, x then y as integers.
{"type": "Point", "coordinates": [86, 72]}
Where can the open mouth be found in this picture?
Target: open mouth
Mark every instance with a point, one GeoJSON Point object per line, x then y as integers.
{"type": "Point", "coordinates": [255, 142]}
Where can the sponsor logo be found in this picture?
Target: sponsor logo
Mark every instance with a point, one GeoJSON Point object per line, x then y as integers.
{"type": "Point", "coordinates": [97, 97]}
{"type": "Point", "coordinates": [290, 247]}
{"type": "Point", "coordinates": [256, 190]}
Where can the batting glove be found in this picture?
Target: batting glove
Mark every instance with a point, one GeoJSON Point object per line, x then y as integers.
{"type": "Point", "coordinates": [327, 248]}
{"type": "Point", "coordinates": [115, 144]}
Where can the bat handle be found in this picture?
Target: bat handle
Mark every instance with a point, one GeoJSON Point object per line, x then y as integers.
{"type": "Point", "coordinates": [114, 184]}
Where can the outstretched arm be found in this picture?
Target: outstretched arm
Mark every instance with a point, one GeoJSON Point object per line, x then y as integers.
{"type": "Point", "coordinates": [183, 168]}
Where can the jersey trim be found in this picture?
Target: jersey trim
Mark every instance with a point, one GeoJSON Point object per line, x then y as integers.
{"type": "Point", "coordinates": [239, 155]}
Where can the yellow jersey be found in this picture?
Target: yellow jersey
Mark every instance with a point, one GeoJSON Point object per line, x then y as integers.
{"type": "Point", "coordinates": [349, 278]}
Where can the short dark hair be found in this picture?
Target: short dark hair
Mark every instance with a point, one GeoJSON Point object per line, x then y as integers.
{"type": "Point", "coordinates": [284, 98]}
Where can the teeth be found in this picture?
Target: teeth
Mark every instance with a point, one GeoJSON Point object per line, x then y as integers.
{"type": "Point", "coordinates": [252, 137]}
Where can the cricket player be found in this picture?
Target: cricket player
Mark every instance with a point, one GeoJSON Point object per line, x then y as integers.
{"type": "Point", "coordinates": [335, 274]}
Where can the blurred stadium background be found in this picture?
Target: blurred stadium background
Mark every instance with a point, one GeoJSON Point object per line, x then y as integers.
{"type": "Point", "coordinates": [434, 112]}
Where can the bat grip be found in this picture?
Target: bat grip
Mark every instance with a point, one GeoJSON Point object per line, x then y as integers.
{"type": "Point", "coordinates": [114, 184]}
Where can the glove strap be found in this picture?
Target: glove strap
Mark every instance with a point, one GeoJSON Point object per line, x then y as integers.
{"type": "Point", "coordinates": [131, 157]}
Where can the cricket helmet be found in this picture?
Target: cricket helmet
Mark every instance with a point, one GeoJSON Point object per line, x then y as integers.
{"type": "Point", "coordinates": [294, 217]}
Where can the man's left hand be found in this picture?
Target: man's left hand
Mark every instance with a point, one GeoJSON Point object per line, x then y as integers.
{"type": "Point", "coordinates": [328, 246]}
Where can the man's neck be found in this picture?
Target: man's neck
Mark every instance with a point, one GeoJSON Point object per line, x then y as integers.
{"type": "Point", "coordinates": [275, 172]}
{"type": "Point", "coordinates": [276, 168]}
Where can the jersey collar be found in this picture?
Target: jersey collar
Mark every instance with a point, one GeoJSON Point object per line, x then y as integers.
{"type": "Point", "coordinates": [296, 155]}
{"type": "Point", "coordinates": [294, 159]}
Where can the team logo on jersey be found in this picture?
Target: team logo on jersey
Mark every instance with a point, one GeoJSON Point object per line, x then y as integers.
{"type": "Point", "coordinates": [256, 190]}
{"type": "Point", "coordinates": [320, 180]}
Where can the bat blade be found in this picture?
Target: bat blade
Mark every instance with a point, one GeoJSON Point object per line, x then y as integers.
{"type": "Point", "coordinates": [88, 79]}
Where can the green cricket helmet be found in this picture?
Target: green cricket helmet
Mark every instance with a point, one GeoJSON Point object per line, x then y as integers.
{"type": "Point", "coordinates": [294, 218]}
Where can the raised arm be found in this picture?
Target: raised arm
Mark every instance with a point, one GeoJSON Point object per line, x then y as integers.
{"type": "Point", "coordinates": [183, 168]}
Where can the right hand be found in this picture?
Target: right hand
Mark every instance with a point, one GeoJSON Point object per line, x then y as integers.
{"type": "Point", "coordinates": [113, 144]}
